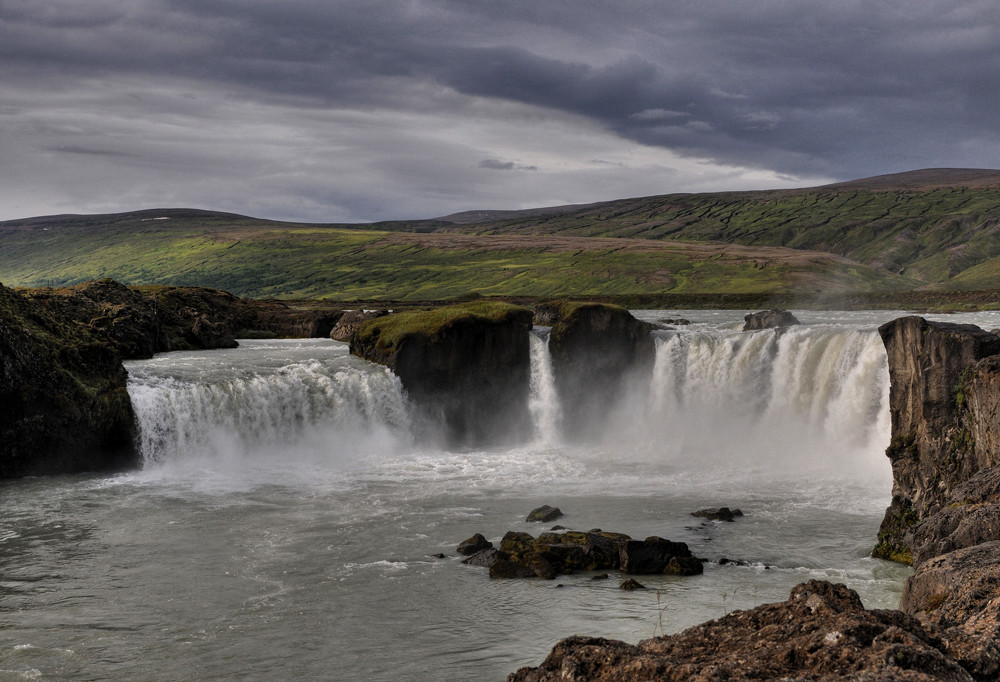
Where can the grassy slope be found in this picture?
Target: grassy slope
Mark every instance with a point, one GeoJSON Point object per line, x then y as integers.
{"type": "Point", "coordinates": [932, 229]}
{"type": "Point", "coordinates": [263, 259]}
{"type": "Point", "coordinates": [931, 236]}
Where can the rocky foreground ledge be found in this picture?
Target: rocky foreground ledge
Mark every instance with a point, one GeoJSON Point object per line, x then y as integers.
{"type": "Point", "coordinates": [944, 520]}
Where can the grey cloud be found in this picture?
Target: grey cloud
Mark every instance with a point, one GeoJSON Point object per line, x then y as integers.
{"type": "Point", "coordinates": [497, 164]}
{"type": "Point", "coordinates": [806, 89]}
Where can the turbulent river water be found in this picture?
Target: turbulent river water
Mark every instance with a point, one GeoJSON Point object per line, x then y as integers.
{"type": "Point", "coordinates": [284, 524]}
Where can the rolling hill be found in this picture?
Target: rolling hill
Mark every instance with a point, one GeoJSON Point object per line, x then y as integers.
{"type": "Point", "coordinates": [933, 229]}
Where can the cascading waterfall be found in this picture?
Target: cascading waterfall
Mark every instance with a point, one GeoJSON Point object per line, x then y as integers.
{"type": "Point", "coordinates": [330, 406]}
{"type": "Point", "coordinates": [803, 396]}
{"type": "Point", "coordinates": [544, 400]}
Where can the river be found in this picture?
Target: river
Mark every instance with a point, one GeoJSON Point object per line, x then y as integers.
{"type": "Point", "coordinates": [285, 522]}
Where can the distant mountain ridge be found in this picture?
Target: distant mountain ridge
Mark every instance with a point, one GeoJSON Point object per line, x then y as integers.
{"type": "Point", "coordinates": [926, 229]}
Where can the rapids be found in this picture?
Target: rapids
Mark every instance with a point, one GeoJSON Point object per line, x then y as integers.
{"type": "Point", "coordinates": [285, 522]}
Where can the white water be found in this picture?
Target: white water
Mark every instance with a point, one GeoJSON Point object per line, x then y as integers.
{"type": "Point", "coordinates": [284, 522]}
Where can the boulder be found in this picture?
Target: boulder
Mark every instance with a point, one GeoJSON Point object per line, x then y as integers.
{"type": "Point", "coordinates": [477, 543]}
{"type": "Point", "coordinates": [63, 392]}
{"type": "Point", "coordinates": [630, 584]}
{"type": "Point", "coordinates": [466, 369]}
{"type": "Point", "coordinates": [545, 513]}
{"type": "Point", "coordinates": [483, 559]}
{"type": "Point", "coordinates": [821, 633]}
{"type": "Point", "coordinates": [769, 319]}
{"type": "Point", "coordinates": [597, 351]}
{"type": "Point", "coordinates": [651, 555]}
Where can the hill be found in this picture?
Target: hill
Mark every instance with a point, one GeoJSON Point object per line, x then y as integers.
{"type": "Point", "coordinates": [930, 229]}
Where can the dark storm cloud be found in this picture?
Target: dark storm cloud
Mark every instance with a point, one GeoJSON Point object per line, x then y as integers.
{"type": "Point", "coordinates": [805, 89]}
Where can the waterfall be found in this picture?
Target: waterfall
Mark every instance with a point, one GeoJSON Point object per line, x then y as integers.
{"type": "Point", "coordinates": [329, 408]}
{"type": "Point", "coordinates": [544, 400]}
{"type": "Point", "coordinates": [808, 395]}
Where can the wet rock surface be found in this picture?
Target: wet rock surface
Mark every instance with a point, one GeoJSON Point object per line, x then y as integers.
{"type": "Point", "coordinates": [551, 554]}
{"type": "Point", "coordinates": [769, 319]}
{"type": "Point", "coordinates": [718, 514]}
{"type": "Point", "coordinates": [544, 513]}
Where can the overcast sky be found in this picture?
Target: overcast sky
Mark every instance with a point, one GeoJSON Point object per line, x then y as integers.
{"type": "Point", "coordinates": [343, 110]}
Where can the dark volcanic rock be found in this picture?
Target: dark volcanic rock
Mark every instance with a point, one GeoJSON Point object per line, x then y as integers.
{"type": "Point", "coordinates": [597, 351]}
{"type": "Point", "coordinates": [124, 318]}
{"type": "Point", "coordinates": [477, 543]}
{"type": "Point", "coordinates": [65, 407]}
{"type": "Point", "coordinates": [544, 513]}
{"type": "Point", "coordinates": [349, 323]}
{"type": "Point", "coordinates": [768, 319]}
{"type": "Point", "coordinates": [466, 368]}
{"type": "Point", "coordinates": [484, 559]}
{"type": "Point", "coordinates": [821, 633]}
{"type": "Point", "coordinates": [720, 514]}
{"type": "Point", "coordinates": [651, 555]}
{"type": "Point", "coordinates": [631, 584]}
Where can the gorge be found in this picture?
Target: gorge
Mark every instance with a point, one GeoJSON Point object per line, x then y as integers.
{"type": "Point", "coordinates": [288, 507]}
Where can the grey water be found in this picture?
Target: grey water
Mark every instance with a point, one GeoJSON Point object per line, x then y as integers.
{"type": "Point", "coordinates": [284, 523]}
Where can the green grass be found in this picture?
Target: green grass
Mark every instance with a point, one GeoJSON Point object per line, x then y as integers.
{"type": "Point", "coordinates": [259, 259]}
{"type": "Point", "coordinates": [392, 329]}
{"type": "Point", "coordinates": [880, 240]}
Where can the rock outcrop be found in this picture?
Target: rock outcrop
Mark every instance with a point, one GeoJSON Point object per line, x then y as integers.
{"type": "Point", "coordinates": [551, 554]}
{"type": "Point", "coordinates": [768, 319]}
{"type": "Point", "coordinates": [349, 323]}
{"type": "Point", "coordinates": [140, 321]}
{"type": "Point", "coordinates": [943, 406]}
{"type": "Point", "coordinates": [821, 633]}
{"type": "Point", "coordinates": [62, 388]}
{"type": "Point", "coordinates": [597, 350]}
{"type": "Point", "coordinates": [466, 368]}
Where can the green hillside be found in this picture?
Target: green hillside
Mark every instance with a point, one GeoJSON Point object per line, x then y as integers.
{"type": "Point", "coordinates": [929, 230]}
{"type": "Point", "coordinates": [931, 226]}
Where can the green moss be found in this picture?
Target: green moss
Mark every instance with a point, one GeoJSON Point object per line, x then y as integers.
{"type": "Point", "coordinates": [891, 545]}
{"type": "Point", "coordinates": [936, 601]}
{"type": "Point", "coordinates": [389, 331]}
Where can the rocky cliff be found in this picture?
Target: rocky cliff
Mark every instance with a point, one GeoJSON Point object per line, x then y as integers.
{"type": "Point", "coordinates": [65, 407]}
{"type": "Point", "coordinates": [596, 349]}
{"type": "Point", "coordinates": [940, 404]}
{"type": "Point", "coordinates": [465, 367]}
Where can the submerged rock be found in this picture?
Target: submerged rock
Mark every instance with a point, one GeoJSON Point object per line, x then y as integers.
{"type": "Point", "coordinates": [631, 584]}
{"type": "Point", "coordinates": [769, 319]}
{"type": "Point", "coordinates": [545, 513]}
{"type": "Point", "coordinates": [719, 514]}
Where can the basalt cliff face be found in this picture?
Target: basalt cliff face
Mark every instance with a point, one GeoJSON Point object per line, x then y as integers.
{"type": "Point", "coordinates": [465, 368]}
{"type": "Point", "coordinates": [596, 349]}
{"type": "Point", "coordinates": [62, 391]}
{"type": "Point", "coordinates": [944, 519]}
